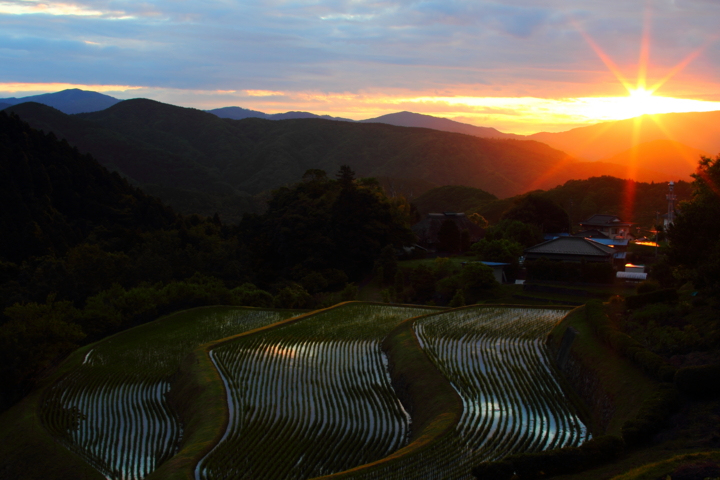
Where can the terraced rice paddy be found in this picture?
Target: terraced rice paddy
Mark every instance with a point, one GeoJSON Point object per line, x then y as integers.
{"type": "Point", "coordinates": [309, 398]}
{"type": "Point", "coordinates": [112, 409]}
{"type": "Point", "coordinates": [313, 397]}
{"type": "Point", "coordinates": [496, 360]}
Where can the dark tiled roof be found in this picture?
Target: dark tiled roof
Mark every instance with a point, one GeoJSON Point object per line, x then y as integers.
{"type": "Point", "coordinates": [571, 246]}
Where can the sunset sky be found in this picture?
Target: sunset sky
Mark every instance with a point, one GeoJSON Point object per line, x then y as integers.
{"type": "Point", "coordinates": [520, 66]}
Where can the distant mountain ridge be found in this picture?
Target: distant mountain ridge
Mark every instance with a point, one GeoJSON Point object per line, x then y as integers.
{"type": "Point", "coordinates": [410, 119]}
{"type": "Point", "coordinates": [68, 101]}
{"type": "Point", "coordinates": [698, 130]}
{"type": "Point", "coordinates": [239, 113]}
{"type": "Point", "coordinates": [695, 130]}
{"type": "Point", "coordinates": [200, 163]}
{"type": "Point", "coordinates": [666, 156]}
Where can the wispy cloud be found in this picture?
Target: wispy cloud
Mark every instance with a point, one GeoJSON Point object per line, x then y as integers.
{"type": "Point", "coordinates": [29, 88]}
{"type": "Point", "coordinates": [361, 48]}
{"type": "Point", "coordinates": [29, 7]}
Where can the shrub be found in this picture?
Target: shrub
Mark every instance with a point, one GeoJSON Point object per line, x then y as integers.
{"type": "Point", "coordinates": [702, 381]}
{"type": "Point", "coordinates": [625, 345]}
{"type": "Point", "coordinates": [648, 286]}
{"type": "Point", "coordinates": [658, 296]}
{"type": "Point", "coordinates": [458, 300]}
{"type": "Point", "coordinates": [249, 295]}
{"type": "Point", "coordinates": [652, 416]}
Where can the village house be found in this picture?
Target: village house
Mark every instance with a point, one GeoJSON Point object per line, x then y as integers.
{"type": "Point", "coordinates": [571, 249]}
{"type": "Point", "coordinates": [611, 226]}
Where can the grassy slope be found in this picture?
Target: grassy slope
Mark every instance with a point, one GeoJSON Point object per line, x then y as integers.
{"type": "Point", "coordinates": [628, 387]}
{"type": "Point", "coordinates": [625, 384]}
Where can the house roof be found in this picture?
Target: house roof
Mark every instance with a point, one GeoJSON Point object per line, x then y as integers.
{"type": "Point", "coordinates": [604, 220]}
{"type": "Point", "coordinates": [571, 246]}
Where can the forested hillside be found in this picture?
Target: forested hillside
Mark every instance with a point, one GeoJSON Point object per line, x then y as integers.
{"type": "Point", "coordinates": [55, 197]}
{"type": "Point", "coordinates": [200, 163]}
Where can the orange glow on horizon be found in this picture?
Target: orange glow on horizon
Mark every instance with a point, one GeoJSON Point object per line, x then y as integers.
{"type": "Point", "coordinates": [641, 99]}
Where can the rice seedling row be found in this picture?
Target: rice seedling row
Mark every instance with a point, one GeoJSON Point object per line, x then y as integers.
{"type": "Point", "coordinates": [309, 398]}
{"type": "Point", "coordinates": [112, 409]}
{"type": "Point", "coordinates": [512, 402]}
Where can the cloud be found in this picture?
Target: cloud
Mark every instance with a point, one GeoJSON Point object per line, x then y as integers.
{"type": "Point", "coordinates": [30, 88]}
{"type": "Point", "coordinates": [65, 9]}
{"type": "Point", "coordinates": [362, 48]}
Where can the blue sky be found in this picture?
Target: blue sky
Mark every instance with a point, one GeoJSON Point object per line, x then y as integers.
{"type": "Point", "coordinates": [364, 58]}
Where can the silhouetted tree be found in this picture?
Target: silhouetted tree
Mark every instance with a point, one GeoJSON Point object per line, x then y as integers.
{"type": "Point", "coordinates": [695, 234]}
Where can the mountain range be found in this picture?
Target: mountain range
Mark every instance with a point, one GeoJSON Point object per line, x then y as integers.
{"type": "Point", "coordinates": [200, 163]}
{"type": "Point", "coordinates": [239, 113]}
{"type": "Point", "coordinates": [690, 133]}
{"type": "Point", "coordinates": [67, 101]}
{"type": "Point", "coordinates": [697, 130]}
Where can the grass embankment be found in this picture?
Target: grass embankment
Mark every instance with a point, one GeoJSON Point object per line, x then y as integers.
{"type": "Point", "coordinates": [688, 438]}
{"type": "Point", "coordinates": [613, 388]}
{"type": "Point", "coordinates": [434, 405]}
{"type": "Point", "coordinates": [27, 450]}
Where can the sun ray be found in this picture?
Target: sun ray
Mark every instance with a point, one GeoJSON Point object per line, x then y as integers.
{"type": "Point", "coordinates": [684, 63]}
{"type": "Point", "coordinates": [691, 163]}
{"type": "Point", "coordinates": [606, 60]}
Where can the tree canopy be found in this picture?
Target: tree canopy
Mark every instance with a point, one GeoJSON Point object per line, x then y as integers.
{"type": "Point", "coordinates": [695, 235]}
{"type": "Point", "coordinates": [324, 225]}
{"type": "Point", "coordinates": [537, 210]}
